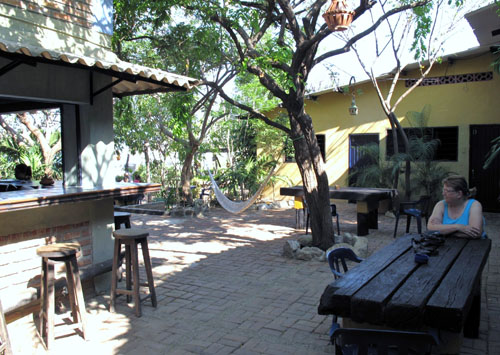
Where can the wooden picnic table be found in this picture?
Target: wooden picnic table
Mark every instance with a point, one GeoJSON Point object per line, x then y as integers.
{"type": "Point", "coordinates": [367, 201]}
{"type": "Point", "coordinates": [390, 289]}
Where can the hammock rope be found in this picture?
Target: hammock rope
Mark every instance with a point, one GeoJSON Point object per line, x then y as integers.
{"type": "Point", "coordinates": [237, 207]}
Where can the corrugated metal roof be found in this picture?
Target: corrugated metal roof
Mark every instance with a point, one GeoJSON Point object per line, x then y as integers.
{"type": "Point", "coordinates": [131, 79]}
{"type": "Point", "coordinates": [471, 52]}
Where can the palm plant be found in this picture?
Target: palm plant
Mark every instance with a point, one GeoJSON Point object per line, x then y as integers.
{"type": "Point", "coordinates": [12, 153]}
{"type": "Point", "coordinates": [372, 171]}
{"type": "Point", "coordinates": [428, 174]}
{"type": "Point", "coordinates": [493, 153]}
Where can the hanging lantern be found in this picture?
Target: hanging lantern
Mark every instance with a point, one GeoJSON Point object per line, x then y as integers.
{"type": "Point", "coordinates": [337, 17]}
{"type": "Point", "coordinates": [353, 110]}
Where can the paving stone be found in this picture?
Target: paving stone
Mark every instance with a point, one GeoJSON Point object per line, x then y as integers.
{"type": "Point", "coordinates": [224, 288]}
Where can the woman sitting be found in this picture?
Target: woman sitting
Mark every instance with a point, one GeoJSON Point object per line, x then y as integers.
{"type": "Point", "coordinates": [457, 213]}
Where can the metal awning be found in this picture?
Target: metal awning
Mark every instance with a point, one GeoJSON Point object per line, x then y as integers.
{"type": "Point", "coordinates": [128, 79]}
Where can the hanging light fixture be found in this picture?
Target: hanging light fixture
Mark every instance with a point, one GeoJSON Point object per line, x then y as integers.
{"type": "Point", "coordinates": [338, 17]}
{"type": "Point", "coordinates": [353, 110]}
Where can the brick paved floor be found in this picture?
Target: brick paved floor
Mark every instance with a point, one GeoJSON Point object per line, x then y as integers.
{"type": "Point", "coordinates": [224, 288]}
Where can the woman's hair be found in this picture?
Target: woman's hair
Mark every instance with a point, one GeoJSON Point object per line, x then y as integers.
{"type": "Point", "coordinates": [458, 183]}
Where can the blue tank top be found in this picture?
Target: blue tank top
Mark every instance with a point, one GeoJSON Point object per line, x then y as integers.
{"type": "Point", "coordinates": [463, 219]}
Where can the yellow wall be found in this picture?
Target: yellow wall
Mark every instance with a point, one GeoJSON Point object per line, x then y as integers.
{"type": "Point", "coordinates": [459, 105]}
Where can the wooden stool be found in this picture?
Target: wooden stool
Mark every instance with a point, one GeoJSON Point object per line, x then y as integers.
{"type": "Point", "coordinates": [131, 238]}
{"type": "Point", "coordinates": [5, 347]}
{"type": "Point", "coordinates": [122, 218]}
{"type": "Point", "coordinates": [65, 252]}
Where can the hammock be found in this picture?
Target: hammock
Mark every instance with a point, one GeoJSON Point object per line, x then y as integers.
{"type": "Point", "coordinates": [237, 207]}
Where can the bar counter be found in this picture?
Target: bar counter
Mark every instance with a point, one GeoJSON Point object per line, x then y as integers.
{"type": "Point", "coordinates": [33, 195]}
{"type": "Point", "coordinates": [32, 216]}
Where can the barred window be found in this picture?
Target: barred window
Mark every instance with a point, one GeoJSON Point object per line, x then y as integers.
{"type": "Point", "coordinates": [447, 136]}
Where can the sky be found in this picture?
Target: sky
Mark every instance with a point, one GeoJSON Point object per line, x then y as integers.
{"type": "Point", "coordinates": [347, 65]}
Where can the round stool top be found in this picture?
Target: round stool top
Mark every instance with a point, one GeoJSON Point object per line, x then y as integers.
{"type": "Point", "coordinates": [121, 214]}
{"type": "Point", "coordinates": [58, 250]}
{"type": "Point", "coordinates": [130, 233]}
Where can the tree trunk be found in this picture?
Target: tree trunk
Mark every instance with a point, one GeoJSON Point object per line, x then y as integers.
{"type": "Point", "coordinates": [187, 175]}
{"type": "Point", "coordinates": [315, 180]}
{"type": "Point", "coordinates": [406, 143]}
{"type": "Point", "coordinates": [148, 162]}
{"type": "Point", "coordinates": [148, 168]}
{"type": "Point", "coordinates": [395, 147]}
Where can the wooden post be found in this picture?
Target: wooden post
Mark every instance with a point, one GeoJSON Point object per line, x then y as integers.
{"type": "Point", "coordinates": [5, 347]}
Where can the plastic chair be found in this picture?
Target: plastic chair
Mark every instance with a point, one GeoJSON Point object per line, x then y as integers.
{"type": "Point", "coordinates": [334, 214]}
{"type": "Point", "coordinates": [337, 257]}
{"type": "Point", "coordinates": [381, 342]}
{"type": "Point", "coordinates": [417, 209]}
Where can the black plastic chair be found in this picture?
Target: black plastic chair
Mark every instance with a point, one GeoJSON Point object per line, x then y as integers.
{"type": "Point", "coordinates": [417, 209]}
{"type": "Point", "coordinates": [336, 258]}
{"type": "Point", "coordinates": [334, 214]}
{"type": "Point", "coordinates": [381, 342]}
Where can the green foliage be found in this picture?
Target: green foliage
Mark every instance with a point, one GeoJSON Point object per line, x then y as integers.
{"type": "Point", "coordinates": [424, 25]}
{"type": "Point", "coordinates": [9, 157]}
{"type": "Point", "coordinates": [493, 153]}
{"type": "Point", "coordinates": [244, 178]}
{"type": "Point", "coordinates": [246, 171]}
{"type": "Point", "coordinates": [495, 143]}
{"type": "Point", "coordinates": [427, 174]}
{"type": "Point", "coordinates": [372, 171]}
{"type": "Point", "coordinates": [12, 154]}
{"type": "Point", "coordinates": [496, 62]}
{"type": "Point", "coordinates": [169, 177]}
{"type": "Point", "coordinates": [250, 92]}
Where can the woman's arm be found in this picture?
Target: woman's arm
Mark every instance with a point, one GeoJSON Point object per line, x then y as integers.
{"type": "Point", "coordinates": [474, 229]}
{"type": "Point", "coordinates": [436, 221]}
{"type": "Point", "coordinates": [476, 219]}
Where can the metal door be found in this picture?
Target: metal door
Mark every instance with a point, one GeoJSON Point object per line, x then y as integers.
{"type": "Point", "coordinates": [355, 154]}
{"type": "Point", "coordinates": [486, 181]}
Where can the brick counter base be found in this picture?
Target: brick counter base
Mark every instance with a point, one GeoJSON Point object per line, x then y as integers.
{"type": "Point", "coordinates": [20, 265]}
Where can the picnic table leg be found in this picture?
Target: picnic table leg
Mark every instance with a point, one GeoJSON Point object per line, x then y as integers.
{"type": "Point", "coordinates": [373, 219]}
{"type": "Point", "coordinates": [471, 326]}
{"type": "Point", "coordinates": [300, 217]}
{"type": "Point", "coordinates": [363, 223]}
{"type": "Point", "coordinates": [367, 216]}
{"type": "Point", "coordinates": [300, 212]}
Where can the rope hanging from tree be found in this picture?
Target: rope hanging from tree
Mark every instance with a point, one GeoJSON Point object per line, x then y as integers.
{"type": "Point", "coordinates": [238, 207]}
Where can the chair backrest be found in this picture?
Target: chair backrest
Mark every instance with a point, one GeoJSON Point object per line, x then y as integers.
{"type": "Point", "coordinates": [424, 203]}
{"type": "Point", "coordinates": [337, 257]}
{"type": "Point", "coordinates": [374, 341]}
{"type": "Point", "coordinates": [421, 204]}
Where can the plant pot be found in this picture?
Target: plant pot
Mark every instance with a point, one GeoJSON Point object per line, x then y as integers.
{"type": "Point", "coordinates": [337, 17]}
{"type": "Point", "coordinates": [47, 181]}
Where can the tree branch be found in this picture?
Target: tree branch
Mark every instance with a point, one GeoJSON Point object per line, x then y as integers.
{"type": "Point", "coordinates": [360, 35]}
{"type": "Point", "coordinates": [253, 113]}
{"type": "Point", "coordinates": [292, 21]}
{"type": "Point", "coordinates": [20, 140]}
